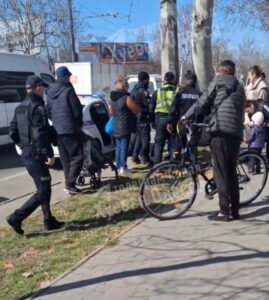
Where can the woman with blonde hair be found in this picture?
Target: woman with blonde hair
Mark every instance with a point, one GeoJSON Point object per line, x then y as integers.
{"type": "Point", "coordinates": [124, 111]}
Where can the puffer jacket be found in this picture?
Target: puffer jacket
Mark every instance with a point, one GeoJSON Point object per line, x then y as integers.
{"type": "Point", "coordinates": [64, 107]}
{"type": "Point", "coordinates": [124, 121]}
{"type": "Point", "coordinates": [256, 136]}
{"type": "Point", "coordinates": [225, 99]}
{"type": "Point", "coordinates": [258, 90]}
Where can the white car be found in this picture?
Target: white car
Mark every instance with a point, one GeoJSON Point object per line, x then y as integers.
{"type": "Point", "coordinates": [95, 117]}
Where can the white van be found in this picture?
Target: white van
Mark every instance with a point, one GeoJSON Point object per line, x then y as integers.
{"type": "Point", "coordinates": [14, 69]}
{"type": "Point", "coordinates": [155, 82]}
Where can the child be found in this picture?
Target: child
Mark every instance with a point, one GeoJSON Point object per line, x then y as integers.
{"type": "Point", "coordinates": [256, 139]}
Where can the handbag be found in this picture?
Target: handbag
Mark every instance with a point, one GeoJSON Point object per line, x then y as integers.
{"type": "Point", "coordinates": [109, 126]}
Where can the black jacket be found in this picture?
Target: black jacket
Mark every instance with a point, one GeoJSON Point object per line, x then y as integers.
{"type": "Point", "coordinates": [30, 126]}
{"type": "Point", "coordinates": [225, 98]}
{"type": "Point", "coordinates": [186, 98]}
{"type": "Point", "coordinates": [64, 107]}
{"type": "Point", "coordinates": [142, 99]}
{"type": "Point", "coordinates": [124, 121]}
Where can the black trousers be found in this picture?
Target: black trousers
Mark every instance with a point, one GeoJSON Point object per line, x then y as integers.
{"type": "Point", "coordinates": [71, 155]}
{"type": "Point", "coordinates": [39, 171]}
{"type": "Point", "coordinates": [192, 154]}
{"type": "Point", "coordinates": [142, 142]}
{"type": "Point", "coordinates": [224, 150]}
{"type": "Point", "coordinates": [162, 135]}
{"type": "Point", "coordinates": [254, 163]}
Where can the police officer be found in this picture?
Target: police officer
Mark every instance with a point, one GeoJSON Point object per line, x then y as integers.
{"type": "Point", "coordinates": [161, 102]}
{"type": "Point", "coordinates": [29, 129]}
{"type": "Point", "coordinates": [186, 98]}
{"type": "Point", "coordinates": [142, 136]}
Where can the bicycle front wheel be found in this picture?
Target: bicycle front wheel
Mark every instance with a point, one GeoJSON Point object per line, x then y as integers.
{"type": "Point", "coordinates": [168, 190]}
{"type": "Point", "coordinates": [252, 176]}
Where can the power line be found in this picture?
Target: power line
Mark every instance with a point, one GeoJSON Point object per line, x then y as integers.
{"type": "Point", "coordinates": [96, 14]}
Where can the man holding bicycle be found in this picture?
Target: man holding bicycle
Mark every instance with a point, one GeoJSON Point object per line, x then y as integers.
{"type": "Point", "coordinates": [226, 98]}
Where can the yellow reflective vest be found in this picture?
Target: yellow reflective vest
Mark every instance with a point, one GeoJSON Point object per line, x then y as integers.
{"type": "Point", "coordinates": [165, 98]}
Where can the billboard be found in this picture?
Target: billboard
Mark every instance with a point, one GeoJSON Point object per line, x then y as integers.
{"type": "Point", "coordinates": [114, 53]}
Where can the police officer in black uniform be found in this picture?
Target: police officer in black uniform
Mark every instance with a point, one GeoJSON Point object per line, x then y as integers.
{"type": "Point", "coordinates": [29, 129]}
{"type": "Point", "coordinates": [186, 98]}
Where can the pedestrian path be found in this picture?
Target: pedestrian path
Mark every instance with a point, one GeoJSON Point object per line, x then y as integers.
{"type": "Point", "coordinates": [188, 258]}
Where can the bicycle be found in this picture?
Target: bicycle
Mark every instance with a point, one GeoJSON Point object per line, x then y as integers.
{"type": "Point", "coordinates": [169, 189]}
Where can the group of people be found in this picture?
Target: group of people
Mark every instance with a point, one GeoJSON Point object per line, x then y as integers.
{"type": "Point", "coordinates": [31, 131]}
{"type": "Point", "coordinates": [134, 114]}
{"type": "Point", "coordinates": [230, 108]}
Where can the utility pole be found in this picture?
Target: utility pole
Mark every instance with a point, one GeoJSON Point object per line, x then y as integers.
{"type": "Point", "coordinates": [72, 35]}
{"type": "Point", "coordinates": [169, 37]}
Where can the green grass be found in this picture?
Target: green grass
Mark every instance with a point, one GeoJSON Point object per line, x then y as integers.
{"type": "Point", "coordinates": [31, 262]}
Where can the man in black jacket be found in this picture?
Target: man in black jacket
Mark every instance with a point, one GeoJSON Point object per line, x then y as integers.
{"type": "Point", "coordinates": [65, 111]}
{"type": "Point", "coordinates": [226, 99]}
{"type": "Point", "coordinates": [142, 135]}
{"type": "Point", "coordinates": [186, 98]}
{"type": "Point", "coordinates": [29, 129]}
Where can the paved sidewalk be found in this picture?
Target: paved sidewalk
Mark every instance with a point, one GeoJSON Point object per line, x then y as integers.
{"type": "Point", "coordinates": [188, 258]}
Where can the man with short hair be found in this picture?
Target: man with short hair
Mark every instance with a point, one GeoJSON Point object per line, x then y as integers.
{"type": "Point", "coordinates": [65, 111]}
{"type": "Point", "coordinates": [161, 102]}
{"type": "Point", "coordinates": [141, 97]}
{"type": "Point", "coordinates": [226, 99]}
{"type": "Point", "coordinates": [186, 98]}
{"type": "Point", "coordinates": [29, 129]}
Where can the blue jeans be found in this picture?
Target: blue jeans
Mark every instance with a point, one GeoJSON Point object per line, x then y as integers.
{"type": "Point", "coordinates": [122, 151]}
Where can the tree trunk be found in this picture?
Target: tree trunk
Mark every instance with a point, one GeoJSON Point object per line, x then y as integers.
{"type": "Point", "coordinates": [169, 39]}
{"type": "Point", "coordinates": [201, 47]}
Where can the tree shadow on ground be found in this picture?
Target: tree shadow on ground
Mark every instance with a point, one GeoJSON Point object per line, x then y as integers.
{"type": "Point", "coordinates": [153, 270]}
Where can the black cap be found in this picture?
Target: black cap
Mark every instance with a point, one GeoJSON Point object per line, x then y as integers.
{"type": "Point", "coordinates": [191, 77]}
{"type": "Point", "coordinates": [33, 81]}
{"type": "Point", "coordinates": [63, 72]}
{"type": "Point", "coordinates": [169, 77]}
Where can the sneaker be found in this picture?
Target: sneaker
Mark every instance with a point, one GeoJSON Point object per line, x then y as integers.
{"type": "Point", "coordinates": [16, 225]}
{"type": "Point", "coordinates": [66, 190]}
{"type": "Point", "coordinates": [235, 216]}
{"type": "Point", "coordinates": [136, 161]}
{"type": "Point", "coordinates": [74, 191]}
{"type": "Point", "coordinates": [124, 171]}
{"type": "Point", "coordinates": [218, 217]}
{"type": "Point", "coordinates": [53, 224]}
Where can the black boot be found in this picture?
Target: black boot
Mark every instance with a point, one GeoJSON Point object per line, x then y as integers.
{"type": "Point", "coordinates": [15, 224]}
{"type": "Point", "coordinates": [53, 224]}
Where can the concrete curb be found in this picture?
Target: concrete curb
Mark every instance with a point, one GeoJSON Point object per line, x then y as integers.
{"type": "Point", "coordinates": [77, 265]}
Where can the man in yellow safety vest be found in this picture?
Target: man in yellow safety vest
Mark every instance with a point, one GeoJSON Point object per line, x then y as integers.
{"type": "Point", "coordinates": [161, 102]}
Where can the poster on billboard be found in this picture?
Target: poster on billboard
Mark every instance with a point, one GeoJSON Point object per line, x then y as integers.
{"type": "Point", "coordinates": [115, 53]}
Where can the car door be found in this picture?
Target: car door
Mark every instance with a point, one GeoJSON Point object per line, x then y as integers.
{"type": "Point", "coordinates": [3, 124]}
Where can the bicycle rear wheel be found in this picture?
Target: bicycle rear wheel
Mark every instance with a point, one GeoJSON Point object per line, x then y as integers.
{"type": "Point", "coordinates": [252, 176]}
{"type": "Point", "coordinates": [168, 190]}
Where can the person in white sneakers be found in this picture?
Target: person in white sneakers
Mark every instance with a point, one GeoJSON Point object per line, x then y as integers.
{"type": "Point", "coordinates": [124, 111]}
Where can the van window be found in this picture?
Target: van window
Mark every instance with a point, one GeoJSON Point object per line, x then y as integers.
{"type": "Point", "coordinates": [12, 86]}
{"type": "Point", "coordinates": [9, 95]}
{"type": "Point", "coordinates": [47, 78]}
